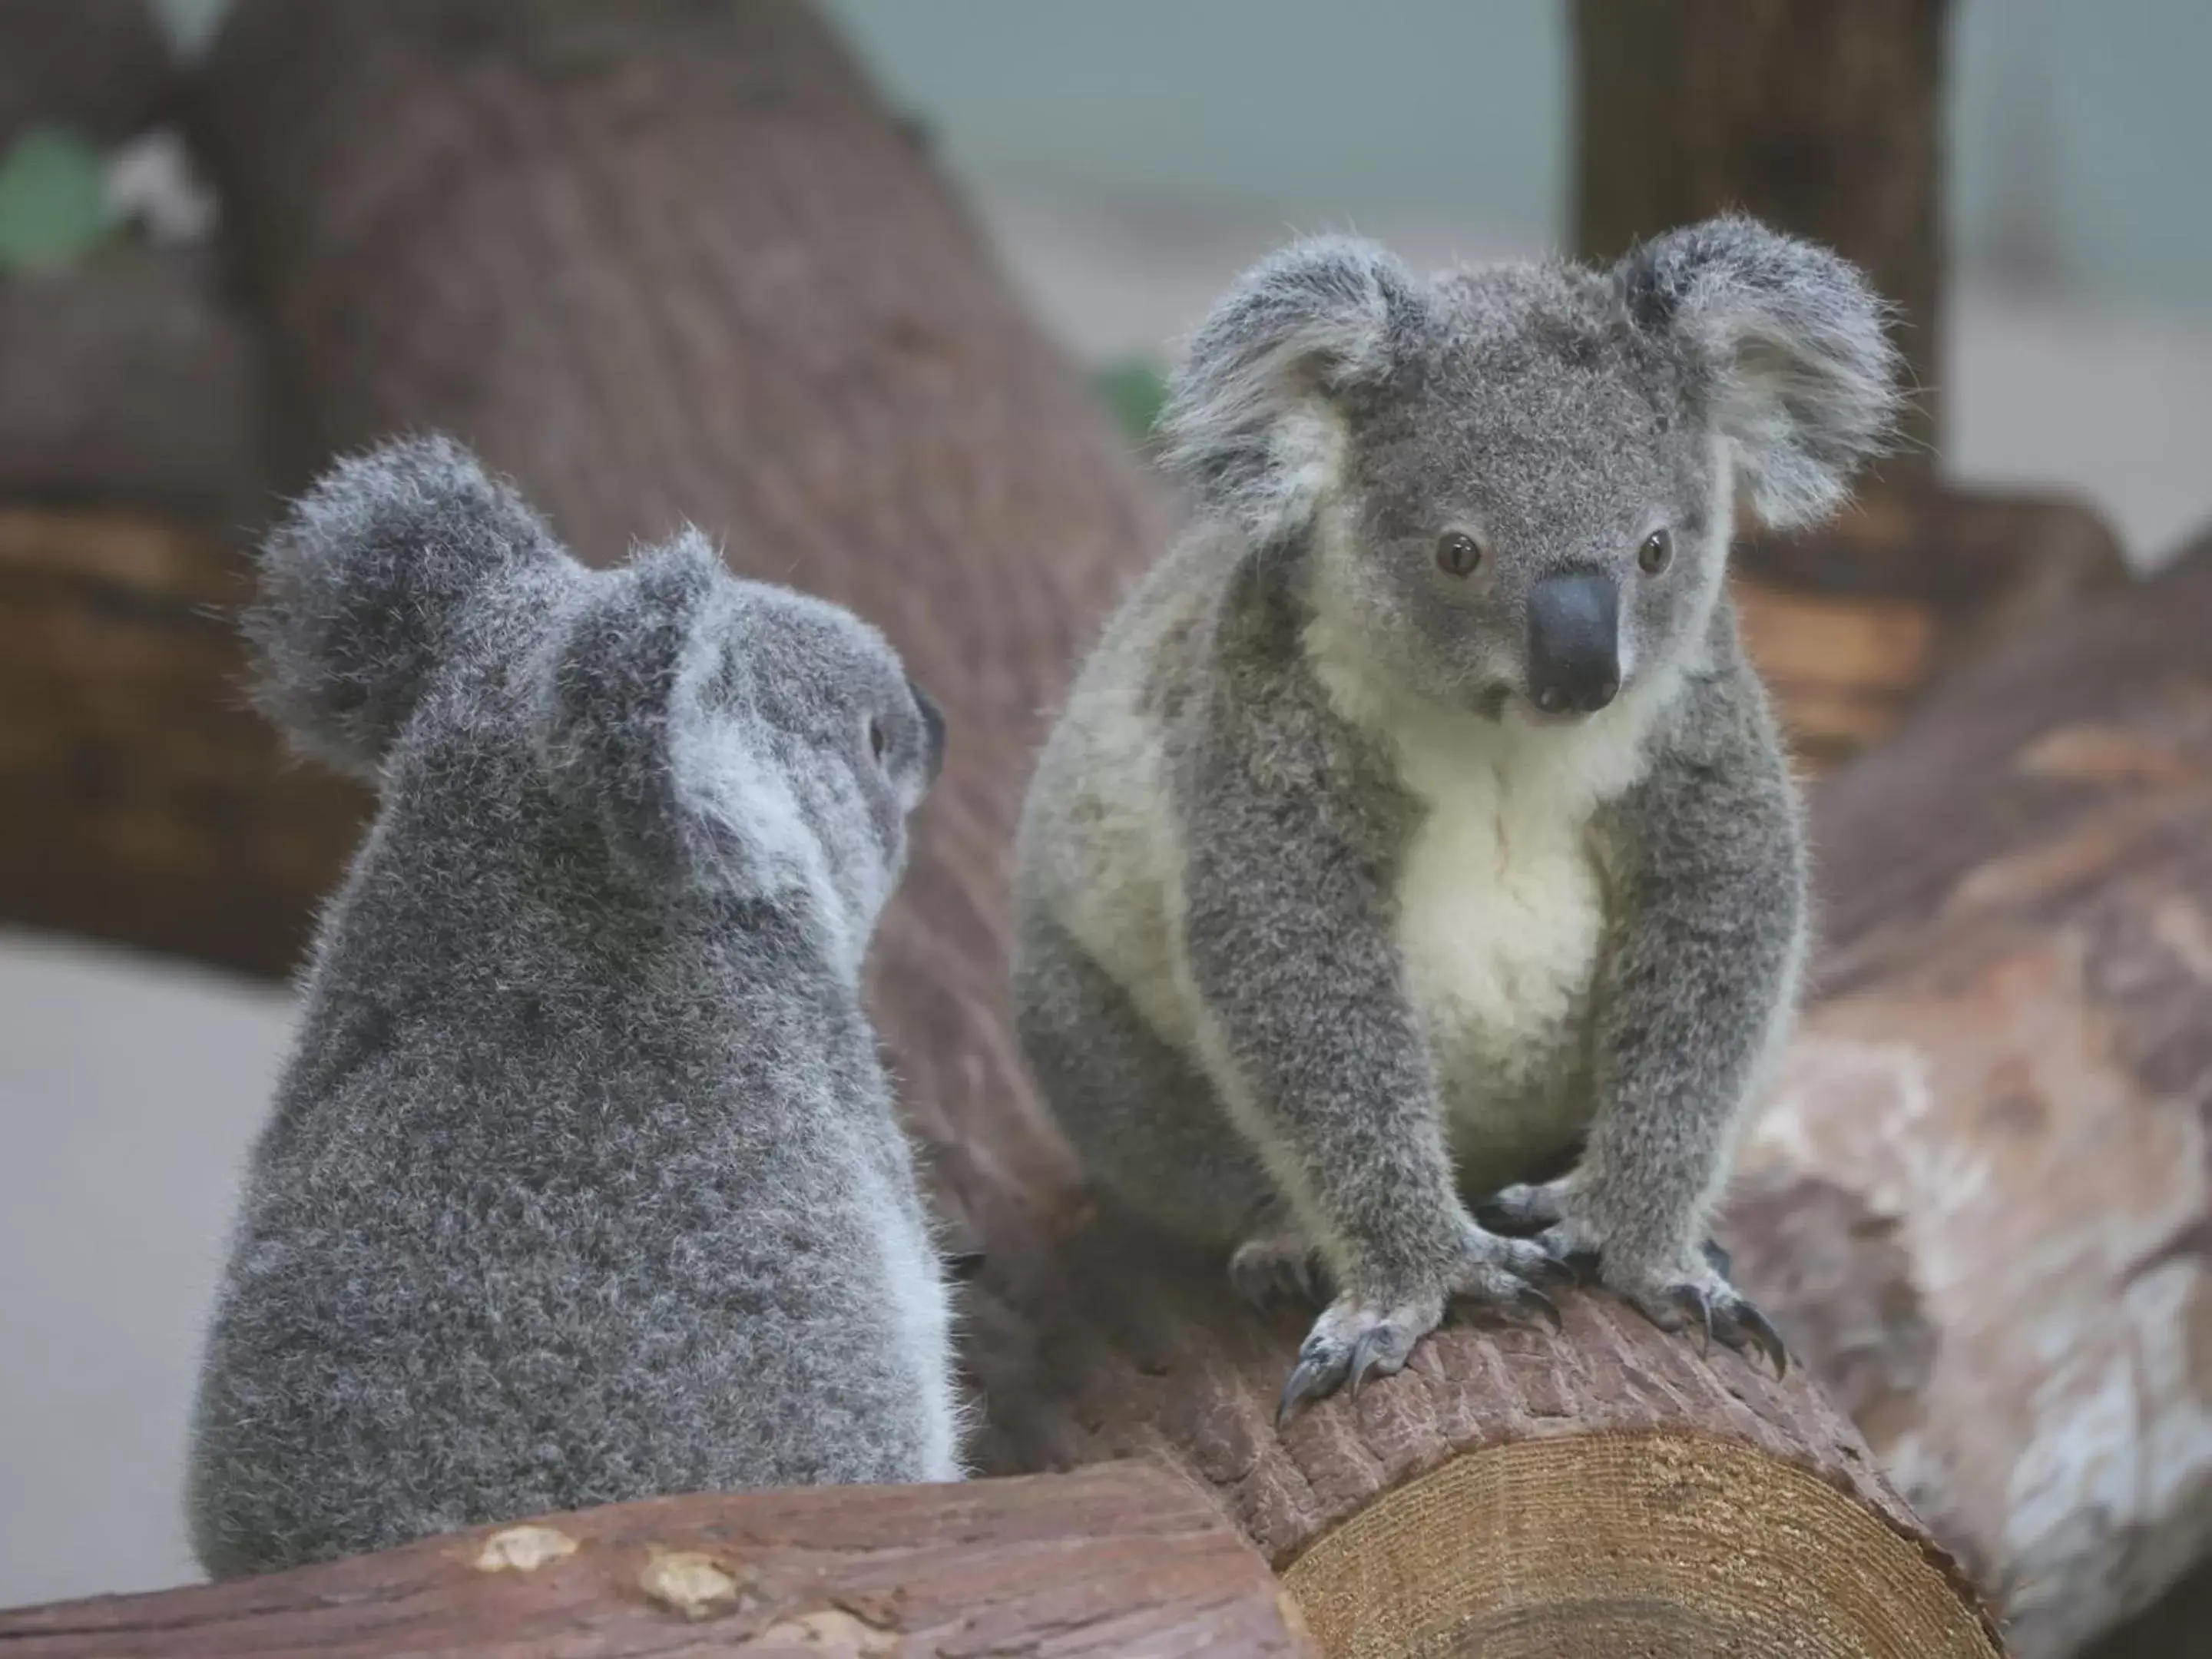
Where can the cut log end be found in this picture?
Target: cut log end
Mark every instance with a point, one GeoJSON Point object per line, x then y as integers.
{"type": "Point", "coordinates": [1608, 1487]}
{"type": "Point", "coordinates": [1660, 1543]}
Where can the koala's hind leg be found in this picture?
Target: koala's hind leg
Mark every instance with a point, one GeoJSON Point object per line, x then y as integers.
{"type": "Point", "coordinates": [1143, 1119]}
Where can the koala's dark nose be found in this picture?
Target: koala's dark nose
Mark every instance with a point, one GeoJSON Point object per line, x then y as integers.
{"type": "Point", "coordinates": [933, 727]}
{"type": "Point", "coordinates": [1574, 642]}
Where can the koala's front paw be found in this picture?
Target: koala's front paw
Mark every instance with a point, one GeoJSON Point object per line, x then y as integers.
{"type": "Point", "coordinates": [1673, 1295]}
{"type": "Point", "coordinates": [1360, 1336]}
{"type": "Point", "coordinates": [1351, 1339]}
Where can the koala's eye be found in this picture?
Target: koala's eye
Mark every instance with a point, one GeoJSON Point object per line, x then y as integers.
{"type": "Point", "coordinates": [1458, 553]}
{"type": "Point", "coordinates": [1656, 553]}
{"type": "Point", "coordinates": [876, 737]}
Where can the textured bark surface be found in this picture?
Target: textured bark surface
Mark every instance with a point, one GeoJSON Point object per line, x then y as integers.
{"type": "Point", "coordinates": [1979, 1203]}
{"type": "Point", "coordinates": [1823, 119]}
{"type": "Point", "coordinates": [670, 261]}
{"type": "Point", "coordinates": [1851, 621]}
{"type": "Point", "coordinates": [131, 379]}
{"type": "Point", "coordinates": [98, 65]}
{"type": "Point", "coordinates": [1114, 1561]}
{"type": "Point", "coordinates": [146, 804]}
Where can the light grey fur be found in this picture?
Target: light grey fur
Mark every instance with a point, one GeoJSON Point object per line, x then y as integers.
{"type": "Point", "coordinates": [582, 1183]}
{"type": "Point", "coordinates": [1322, 929]}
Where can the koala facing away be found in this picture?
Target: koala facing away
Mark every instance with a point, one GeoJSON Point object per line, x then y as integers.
{"type": "Point", "coordinates": [582, 1183]}
{"type": "Point", "coordinates": [1418, 820]}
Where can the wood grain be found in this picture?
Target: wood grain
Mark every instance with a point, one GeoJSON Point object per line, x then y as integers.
{"type": "Point", "coordinates": [1979, 1202]}
{"type": "Point", "coordinates": [1825, 120]}
{"type": "Point", "coordinates": [1122, 1559]}
{"type": "Point", "coordinates": [148, 805]}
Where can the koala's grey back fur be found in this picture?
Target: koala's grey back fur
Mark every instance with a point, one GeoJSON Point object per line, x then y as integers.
{"type": "Point", "coordinates": [1326, 922]}
{"type": "Point", "coordinates": [582, 1183]}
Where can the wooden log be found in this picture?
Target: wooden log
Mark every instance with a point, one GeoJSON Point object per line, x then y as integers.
{"type": "Point", "coordinates": [1121, 1559]}
{"type": "Point", "coordinates": [1979, 1201]}
{"type": "Point", "coordinates": [1851, 623]}
{"type": "Point", "coordinates": [131, 381]}
{"type": "Point", "coordinates": [100, 66]}
{"type": "Point", "coordinates": [672, 260]}
{"type": "Point", "coordinates": [149, 805]}
{"type": "Point", "coordinates": [1823, 119]}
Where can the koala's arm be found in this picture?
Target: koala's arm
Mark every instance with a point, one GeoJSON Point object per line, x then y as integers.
{"type": "Point", "coordinates": [1288, 912]}
{"type": "Point", "coordinates": [1707, 861]}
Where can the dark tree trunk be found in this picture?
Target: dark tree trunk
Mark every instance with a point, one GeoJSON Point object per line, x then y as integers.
{"type": "Point", "coordinates": [670, 261]}
{"type": "Point", "coordinates": [1979, 1203]}
{"type": "Point", "coordinates": [1825, 119]}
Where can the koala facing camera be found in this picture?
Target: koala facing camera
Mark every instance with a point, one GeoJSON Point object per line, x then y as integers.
{"type": "Point", "coordinates": [1419, 822]}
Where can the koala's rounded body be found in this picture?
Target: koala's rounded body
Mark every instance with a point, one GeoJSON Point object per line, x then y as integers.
{"type": "Point", "coordinates": [1418, 824]}
{"type": "Point", "coordinates": [583, 1182]}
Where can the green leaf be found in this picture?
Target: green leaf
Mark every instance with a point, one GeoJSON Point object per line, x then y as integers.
{"type": "Point", "coordinates": [1134, 390]}
{"type": "Point", "coordinates": [53, 208]}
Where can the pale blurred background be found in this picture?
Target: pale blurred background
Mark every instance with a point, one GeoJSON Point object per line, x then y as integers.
{"type": "Point", "coordinates": [1127, 159]}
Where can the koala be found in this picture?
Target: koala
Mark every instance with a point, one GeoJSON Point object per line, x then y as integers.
{"type": "Point", "coordinates": [1416, 829]}
{"type": "Point", "coordinates": [582, 1182]}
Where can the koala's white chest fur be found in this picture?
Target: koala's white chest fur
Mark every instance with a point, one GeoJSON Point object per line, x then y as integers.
{"type": "Point", "coordinates": [1502, 911]}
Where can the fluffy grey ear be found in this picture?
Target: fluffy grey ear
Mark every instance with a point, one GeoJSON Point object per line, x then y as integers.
{"type": "Point", "coordinates": [645, 723]}
{"type": "Point", "coordinates": [1804, 378]}
{"type": "Point", "coordinates": [1246, 422]}
{"type": "Point", "coordinates": [361, 584]}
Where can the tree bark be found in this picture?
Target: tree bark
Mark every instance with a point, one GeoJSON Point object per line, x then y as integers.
{"type": "Point", "coordinates": [1979, 1202]}
{"type": "Point", "coordinates": [1113, 1561]}
{"type": "Point", "coordinates": [1850, 623]}
{"type": "Point", "coordinates": [149, 805]}
{"type": "Point", "coordinates": [671, 260]}
{"type": "Point", "coordinates": [1823, 119]}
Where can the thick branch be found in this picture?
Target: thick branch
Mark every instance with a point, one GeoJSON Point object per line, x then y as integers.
{"type": "Point", "coordinates": [1114, 1561]}
{"type": "Point", "coordinates": [1980, 1201]}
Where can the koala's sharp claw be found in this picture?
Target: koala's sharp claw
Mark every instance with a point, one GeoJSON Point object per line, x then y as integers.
{"type": "Point", "coordinates": [1694, 1302]}
{"type": "Point", "coordinates": [1763, 1335]}
{"type": "Point", "coordinates": [1556, 1270]}
{"type": "Point", "coordinates": [1531, 1300]}
{"type": "Point", "coordinates": [1313, 1377]}
{"type": "Point", "coordinates": [1364, 1352]}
